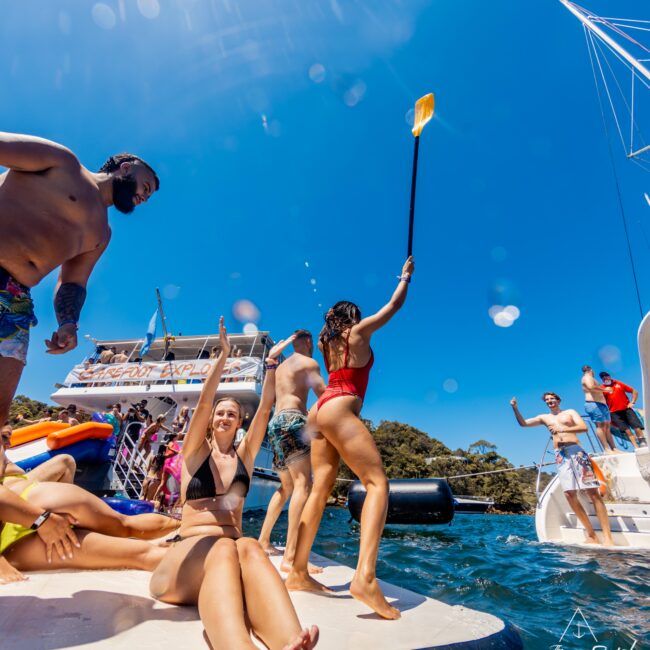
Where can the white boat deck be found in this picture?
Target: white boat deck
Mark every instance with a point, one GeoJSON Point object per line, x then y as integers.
{"type": "Point", "coordinates": [113, 609]}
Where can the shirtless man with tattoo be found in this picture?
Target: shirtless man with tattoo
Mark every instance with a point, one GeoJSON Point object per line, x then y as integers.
{"type": "Point", "coordinates": [53, 213]}
{"type": "Point", "coordinates": [573, 464]}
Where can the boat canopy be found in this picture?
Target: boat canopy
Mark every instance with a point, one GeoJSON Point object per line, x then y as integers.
{"type": "Point", "coordinates": [189, 347]}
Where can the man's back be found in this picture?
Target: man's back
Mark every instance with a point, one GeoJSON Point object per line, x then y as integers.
{"type": "Point", "coordinates": [590, 386]}
{"type": "Point", "coordinates": [293, 382]}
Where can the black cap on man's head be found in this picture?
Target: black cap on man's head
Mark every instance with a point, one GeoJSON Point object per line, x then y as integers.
{"type": "Point", "coordinates": [604, 374]}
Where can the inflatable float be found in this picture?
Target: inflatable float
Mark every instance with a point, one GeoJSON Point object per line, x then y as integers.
{"type": "Point", "coordinates": [129, 506]}
{"type": "Point", "coordinates": [90, 442]}
{"type": "Point", "coordinates": [410, 501]}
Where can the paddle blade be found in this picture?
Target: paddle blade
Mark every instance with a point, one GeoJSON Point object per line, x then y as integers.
{"type": "Point", "coordinates": [423, 113]}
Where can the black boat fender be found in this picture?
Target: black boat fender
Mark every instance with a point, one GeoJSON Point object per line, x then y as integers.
{"type": "Point", "coordinates": [410, 501]}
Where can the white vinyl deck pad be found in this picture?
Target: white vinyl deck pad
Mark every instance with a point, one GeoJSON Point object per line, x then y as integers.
{"type": "Point", "coordinates": [113, 609]}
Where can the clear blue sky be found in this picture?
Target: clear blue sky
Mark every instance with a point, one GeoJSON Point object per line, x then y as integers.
{"type": "Point", "coordinates": [279, 132]}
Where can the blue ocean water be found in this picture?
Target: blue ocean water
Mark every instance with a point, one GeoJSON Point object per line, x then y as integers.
{"type": "Point", "coordinates": [495, 564]}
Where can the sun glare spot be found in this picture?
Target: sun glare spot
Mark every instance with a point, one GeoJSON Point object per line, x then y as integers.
{"type": "Point", "coordinates": [450, 385]}
{"type": "Point", "coordinates": [503, 319]}
{"type": "Point", "coordinates": [317, 73]}
{"type": "Point", "coordinates": [245, 311]}
{"type": "Point", "coordinates": [103, 16]}
{"type": "Point", "coordinates": [610, 357]}
{"type": "Point", "coordinates": [250, 328]}
{"type": "Point", "coordinates": [149, 8]}
{"type": "Point", "coordinates": [355, 93]}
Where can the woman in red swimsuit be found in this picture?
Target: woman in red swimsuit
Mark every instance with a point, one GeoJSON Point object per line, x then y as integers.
{"type": "Point", "coordinates": [345, 344]}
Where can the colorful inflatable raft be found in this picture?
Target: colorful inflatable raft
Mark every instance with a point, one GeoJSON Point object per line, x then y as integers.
{"type": "Point", "coordinates": [90, 442]}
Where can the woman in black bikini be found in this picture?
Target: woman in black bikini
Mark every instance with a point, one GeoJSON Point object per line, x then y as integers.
{"type": "Point", "coordinates": [210, 564]}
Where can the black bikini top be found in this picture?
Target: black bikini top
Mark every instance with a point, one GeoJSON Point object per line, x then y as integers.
{"type": "Point", "coordinates": [202, 486]}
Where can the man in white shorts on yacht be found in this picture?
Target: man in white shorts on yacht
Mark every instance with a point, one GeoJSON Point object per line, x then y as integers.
{"type": "Point", "coordinates": [574, 468]}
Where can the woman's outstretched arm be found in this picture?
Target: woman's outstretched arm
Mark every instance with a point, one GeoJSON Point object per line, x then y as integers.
{"type": "Point", "coordinates": [198, 428]}
{"type": "Point", "coordinates": [252, 442]}
{"type": "Point", "coordinates": [367, 326]}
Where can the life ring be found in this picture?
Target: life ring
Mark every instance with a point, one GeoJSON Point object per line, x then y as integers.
{"type": "Point", "coordinates": [600, 477]}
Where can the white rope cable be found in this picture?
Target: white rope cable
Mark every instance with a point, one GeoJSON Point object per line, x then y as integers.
{"type": "Point", "coordinates": [642, 79]}
{"type": "Point", "coordinates": [627, 20]}
{"type": "Point", "coordinates": [602, 74]}
{"type": "Point", "coordinates": [616, 182]}
{"type": "Point", "coordinates": [643, 29]}
{"type": "Point", "coordinates": [632, 125]}
{"type": "Point", "coordinates": [629, 107]}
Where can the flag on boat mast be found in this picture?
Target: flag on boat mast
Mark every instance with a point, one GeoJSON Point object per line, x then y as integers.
{"type": "Point", "coordinates": [150, 335]}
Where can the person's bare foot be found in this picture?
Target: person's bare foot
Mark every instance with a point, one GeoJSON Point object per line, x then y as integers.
{"type": "Point", "coordinates": [8, 573]}
{"type": "Point", "coordinates": [312, 568]}
{"type": "Point", "coordinates": [591, 539]}
{"type": "Point", "coordinates": [608, 540]}
{"type": "Point", "coordinates": [369, 593]}
{"type": "Point", "coordinates": [303, 582]}
{"type": "Point", "coordinates": [306, 640]}
{"type": "Point", "coordinates": [269, 549]}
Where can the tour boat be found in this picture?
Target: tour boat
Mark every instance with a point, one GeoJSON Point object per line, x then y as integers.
{"type": "Point", "coordinates": [168, 385]}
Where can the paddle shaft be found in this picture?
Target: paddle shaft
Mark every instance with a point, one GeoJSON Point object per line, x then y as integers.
{"type": "Point", "coordinates": [412, 210]}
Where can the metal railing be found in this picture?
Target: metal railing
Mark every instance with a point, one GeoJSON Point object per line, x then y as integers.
{"type": "Point", "coordinates": [130, 468]}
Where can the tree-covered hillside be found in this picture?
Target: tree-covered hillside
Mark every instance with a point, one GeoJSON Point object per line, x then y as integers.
{"type": "Point", "coordinates": [408, 452]}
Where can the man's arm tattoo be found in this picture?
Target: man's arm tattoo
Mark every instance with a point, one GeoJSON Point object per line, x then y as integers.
{"type": "Point", "coordinates": [68, 302]}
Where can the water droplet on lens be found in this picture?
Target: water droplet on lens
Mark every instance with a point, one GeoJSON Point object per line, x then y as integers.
{"type": "Point", "coordinates": [245, 310]}
{"type": "Point", "coordinates": [317, 73]}
{"type": "Point", "coordinates": [450, 385]}
{"type": "Point", "coordinates": [103, 16]}
{"type": "Point", "coordinates": [149, 8]}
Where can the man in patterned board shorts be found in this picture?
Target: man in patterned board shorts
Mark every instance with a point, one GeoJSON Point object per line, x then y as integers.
{"type": "Point", "coordinates": [574, 468]}
{"type": "Point", "coordinates": [289, 439]}
{"type": "Point", "coordinates": [46, 192]}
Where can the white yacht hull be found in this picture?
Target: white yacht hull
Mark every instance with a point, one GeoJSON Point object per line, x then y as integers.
{"type": "Point", "coordinates": [627, 502]}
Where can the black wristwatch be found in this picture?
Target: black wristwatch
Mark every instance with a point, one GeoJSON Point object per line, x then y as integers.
{"type": "Point", "coordinates": [40, 520]}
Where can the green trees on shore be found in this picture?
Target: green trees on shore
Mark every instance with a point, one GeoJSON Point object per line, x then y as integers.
{"type": "Point", "coordinates": [408, 452]}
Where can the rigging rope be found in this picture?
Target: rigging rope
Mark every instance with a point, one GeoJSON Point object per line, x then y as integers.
{"type": "Point", "coordinates": [618, 188]}
{"type": "Point", "coordinates": [494, 471]}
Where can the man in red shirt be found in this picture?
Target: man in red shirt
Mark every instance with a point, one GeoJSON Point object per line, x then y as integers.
{"type": "Point", "coordinates": [624, 417]}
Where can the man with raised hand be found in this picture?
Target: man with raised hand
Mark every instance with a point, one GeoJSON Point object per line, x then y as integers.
{"type": "Point", "coordinates": [53, 213]}
{"type": "Point", "coordinates": [294, 378]}
{"type": "Point", "coordinates": [574, 468]}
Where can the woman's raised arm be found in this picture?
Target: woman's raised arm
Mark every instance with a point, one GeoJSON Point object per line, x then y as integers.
{"type": "Point", "coordinates": [367, 326]}
{"type": "Point", "coordinates": [198, 428]}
